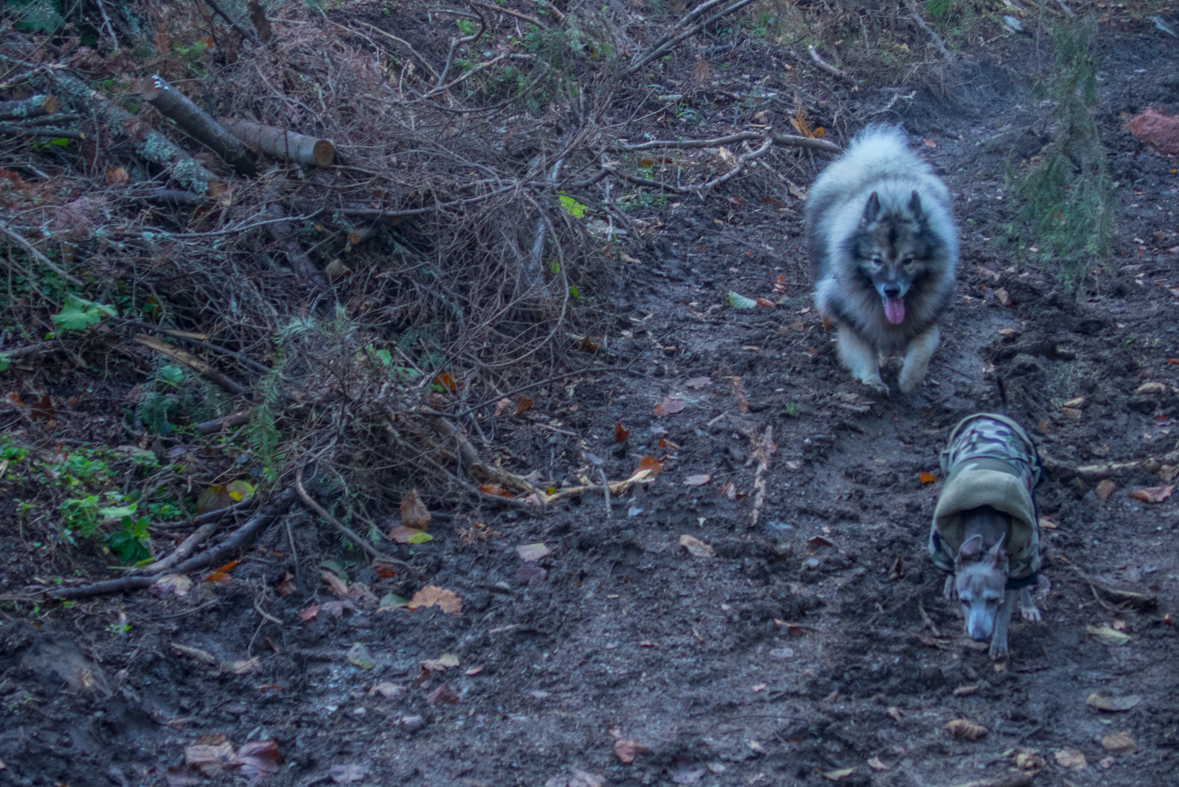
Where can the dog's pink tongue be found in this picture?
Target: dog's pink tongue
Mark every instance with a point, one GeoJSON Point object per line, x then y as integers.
{"type": "Point", "coordinates": [894, 310]}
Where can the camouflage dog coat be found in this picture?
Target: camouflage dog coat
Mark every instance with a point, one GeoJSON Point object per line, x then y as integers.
{"type": "Point", "coordinates": [990, 461]}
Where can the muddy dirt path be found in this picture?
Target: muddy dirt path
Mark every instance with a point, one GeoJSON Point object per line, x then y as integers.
{"type": "Point", "coordinates": [811, 647]}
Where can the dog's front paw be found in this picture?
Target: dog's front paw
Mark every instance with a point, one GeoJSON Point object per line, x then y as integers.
{"type": "Point", "coordinates": [999, 650]}
{"type": "Point", "coordinates": [909, 384]}
{"type": "Point", "coordinates": [1027, 607]}
{"type": "Point", "coordinates": [876, 384]}
{"type": "Point", "coordinates": [1030, 614]}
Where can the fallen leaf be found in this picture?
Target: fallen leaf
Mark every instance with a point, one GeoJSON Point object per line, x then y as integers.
{"type": "Point", "coordinates": [443, 694]}
{"type": "Point", "coordinates": [1168, 473]}
{"type": "Point", "coordinates": [241, 667]}
{"type": "Point", "coordinates": [929, 143]}
{"type": "Point", "coordinates": [1108, 636]}
{"type": "Point", "coordinates": [965, 691]}
{"type": "Point", "coordinates": [695, 546]}
{"type": "Point", "coordinates": [309, 613]}
{"type": "Point", "coordinates": [1153, 494]}
{"type": "Point", "coordinates": [531, 574]}
{"type": "Point", "coordinates": [1071, 413]}
{"type": "Point", "coordinates": [684, 773]}
{"type": "Point", "coordinates": [388, 690]}
{"type": "Point", "coordinates": [530, 553]}
{"type": "Point", "coordinates": [502, 405]}
{"type": "Point", "coordinates": [818, 541]}
{"type": "Point", "coordinates": [413, 511]}
{"type": "Point", "coordinates": [1119, 743]}
{"type": "Point", "coordinates": [834, 776]}
{"type": "Point", "coordinates": [359, 655]}
{"type": "Point", "coordinates": [444, 380]}
{"type": "Point", "coordinates": [1028, 760]}
{"type": "Point", "coordinates": [739, 393]}
{"type": "Point", "coordinates": [335, 583]}
{"type": "Point", "coordinates": [443, 662]}
{"type": "Point", "coordinates": [1155, 128]}
{"type": "Point", "coordinates": [1102, 700]}
{"type": "Point", "coordinates": [211, 758]}
{"type": "Point", "coordinates": [1105, 489]}
{"type": "Point", "coordinates": [964, 728]}
{"type": "Point", "coordinates": [523, 405]}
{"type": "Point", "coordinates": [621, 434]}
{"type": "Point", "coordinates": [625, 751]}
{"type": "Point", "coordinates": [669, 406]}
{"type": "Point", "coordinates": [766, 303]}
{"type": "Point", "coordinates": [897, 570]}
{"type": "Point", "coordinates": [697, 383]}
{"type": "Point", "coordinates": [171, 585]}
{"type": "Point", "coordinates": [1003, 297]}
{"type": "Point", "coordinates": [1071, 759]}
{"type": "Point", "coordinates": [176, 777]}
{"type": "Point", "coordinates": [432, 595]}
{"type": "Point", "coordinates": [287, 586]}
{"type": "Point", "coordinates": [697, 480]}
{"type": "Point", "coordinates": [1048, 524]}
{"type": "Point", "coordinates": [738, 301]}
{"type": "Point", "coordinates": [927, 478]}
{"type": "Point", "coordinates": [494, 489]}
{"type": "Point", "coordinates": [336, 608]}
{"type": "Point", "coordinates": [896, 713]}
{"type": "Point", "coordinates": [259, 759]}
{"type": "Point", "coordinates": [347, 774]}
{"type": "Point", "coordinates": [875, 764]}
{"type": "Point", "coordinates": [473, 671]}
{"type": "Point", "coordinates": [649, 463]}
{"type": "Point", "coordinates": [729, 491]}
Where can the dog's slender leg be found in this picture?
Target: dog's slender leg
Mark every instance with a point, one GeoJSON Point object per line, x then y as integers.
{"type": "Point", "coordinates": [861, 358]}
{"type": "Point", "coordinates": [917, 358]}
{"type": "Point", "coordinates": [1027, 607]}
{"type": "Point", "coordinates": [1002, 621]}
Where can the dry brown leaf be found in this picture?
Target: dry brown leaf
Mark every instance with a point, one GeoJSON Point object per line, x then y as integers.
{"type": "Point", "coordinates": [739, 393]}
{"type": "Point", "coordinates": [621, 433]}
{"type": "Point", "coordinates": [494, 489]}
{"type": "Point", "coordinates": [896, 713]}
{"type": "Point", "coordinates": [1107, 702]}
{"type": "Point", "coordinates": [818, 541]}
{"type": "Point", "coordinates": [523, 405]}
{"type": "Point", "coordinates": [444, 694]}
{"type": "Point", "coordinates": [1048, 524]}
{"type": "Point", "coordinates": [875, 764]}
{"type": "Point", "coordinates": [625, 751]}
{"type": "Point", "coordinates": [1119, 743]}
{"type": "Point", "coordinates": [1028, 760]}
{"type": "Point", "coordinates": [335, 583]}
{"type": "Point", "coordinates": [1107, 635]}
{"type": "Point", "coordinates": [1002, 296]}
{"type": "Point", "coordinates": [669, 406]}
{"type": "Point", "coordinates": [698, 382]}
{"type": "Point", "coordinates": [697, 480]}
{"type": "Point", "coordinates": [530, 553]}
{"type": "Point", "coordinates": [1071, 759]}
{"type": "Point", "coordinates": [765, 303]}
{"type": "Point", "coordinates": [211, 758]}
{"type": "Point", "coordinates": [1105, 489]}
{"type": "Point", "coordinates": [1153, 494]}
{"type": "Point", "coordinates": [834, 776]}
{"type": "Point", "coordinates": [1071, 413]}
{"type": "Point", "coordinates": [413, 511]}
{"type": "Point", "coordinates": [650, 463]}
{"type": "Point", "coordinates": [432, 595]}
{"type": "Point", "coordinates": [966, 729]}
{"type": "Point", "coordinates": [927, 478]}
{"type": "Point", "coordinates": [1168, 473]}
{"type": "Point", "coordinates": [287, 586]}
{"type": "Point", "coordinates": [502, 405]}
{"type": "Point", "coordinates": [695, 546]}
{"type": "Point", "coordinates": [388, 690]}
{"type": "Point", "coordinates": [309, 613]}
{"type": "Point", "coordinates": [443, 662]}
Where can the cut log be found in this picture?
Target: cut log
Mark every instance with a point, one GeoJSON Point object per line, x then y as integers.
{"type": "Point", "coordinates": [192, 119]}
{"type": "Point", "coordinates": [288, 145]}
{"type": "Point", "coordinates": [33, 107]}
{"type": "Point", "coordinates": [149, 143]}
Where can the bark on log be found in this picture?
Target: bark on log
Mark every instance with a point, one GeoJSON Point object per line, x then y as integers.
{"type": "Point", "coordinates": [17, 130]}
{"type": "Point", "coordinates": [288, 145]}
{"type": "Point", "coordinates": [192, 119]}
{"type": "Point", "coordinates": [274, 508]}
{"type": "Point", "coordinates": [26, 108]}
{"type": "Point", "coordinates": [150, 144]}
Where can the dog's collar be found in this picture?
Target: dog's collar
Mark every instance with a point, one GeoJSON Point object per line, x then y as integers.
{"type": "Point", "coordinates": [1023, 582]}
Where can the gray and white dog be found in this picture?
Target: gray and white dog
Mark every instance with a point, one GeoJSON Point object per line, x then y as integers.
{"type": "Point", "coordinates": [883, 250]}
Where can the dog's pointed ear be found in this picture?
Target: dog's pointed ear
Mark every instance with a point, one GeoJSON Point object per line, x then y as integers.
{"type": "Point", "coordinates": [998, 553]}
{"type": "Point", "coordinates": [872, 209]}
{"type": "Point", "coordinates": [970, 549]}
{"type": "Point", "coordinates": [915, 205]}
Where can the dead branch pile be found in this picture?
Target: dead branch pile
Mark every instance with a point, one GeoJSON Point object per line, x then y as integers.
{"type": "Point", "coordinates": [359, 231]}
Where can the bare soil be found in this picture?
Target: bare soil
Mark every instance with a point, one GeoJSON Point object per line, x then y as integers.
{"type": "Point", "coordinates": [812, 641]}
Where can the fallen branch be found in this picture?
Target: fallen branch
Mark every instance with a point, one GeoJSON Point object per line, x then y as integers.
{"type": "Point", "coordinates": [202, 368]}
{"type": "Point", "coordinates": [672, 39]}
{"type": "Point", "coordinates": [264, 516]}
{"type": "Point", "coordinates": [194, 540]}
{"type": "Point", "coordinates": [369, 549]}
{"type": "Point", "coordinates": [915, 15]}
{"type": "Point", "coordinates": [187, 337]}
{"type": "Point", "coordinates": [282, 144]}
{"type": "Point", "coordinates": [224, 422]}
{"type": "Point", "coordinates": [38, 256]}
{"type": "Point", "coordinates": [172, 197]}
{"type": "Point", "coordinates": [209, 516]}
{"type": "Point", "coordinates": [177, 107]}
{"type": "Point", "coordinates": [284, 234]}
{"type": "Point", "coordinates": [1151, 464]}
{"type": "Point", "coordinates": [741, 136]}
{"type": "Point", "coordinates": [825, 66]}
{"type": "Point", "coordinates": [1016, 780]}
{"type": "Point", "coordinates": [763, 449]}
{"type": "Point", "coordinates": [497, 9]}
{"type": "Point", "coordinates": [616, 488]}
{"type": "Point", "coordinates": [241, 31]}
{"type": "Point", "coordinates": [150, 144]}
{"type": "Point", "coordinates": [16, 130]}
{"type": "Point", "coordinates": [28, 349]}
{"type": "Point", "coordinates": [32, 107]}
{"type": "Point", "coordinates": [741, 161]}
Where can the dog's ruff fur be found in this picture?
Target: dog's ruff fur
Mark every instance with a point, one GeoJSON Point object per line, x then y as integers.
{"type": "Point", "coordinates": [883, 251]}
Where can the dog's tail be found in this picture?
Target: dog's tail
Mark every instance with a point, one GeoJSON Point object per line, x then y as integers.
{"type": "Point", "coordinates": [1002, 395]}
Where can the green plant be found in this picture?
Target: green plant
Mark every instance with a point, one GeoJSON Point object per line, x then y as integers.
{"type": "Point", "coordinates": [130, 541]}
{"type": "Point", "coordinates": [79, 314]}
{"type": "Point", "coordinates": [1067, 192]}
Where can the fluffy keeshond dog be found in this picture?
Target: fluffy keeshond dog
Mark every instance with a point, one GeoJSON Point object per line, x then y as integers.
{"type": "Point", "coordinates": [883, 248]}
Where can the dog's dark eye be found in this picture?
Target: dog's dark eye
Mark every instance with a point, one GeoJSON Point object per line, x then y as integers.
{"type": "Point", "coordinates": [907, 262]}
{"type": "Point", "coordinates": [877, 261]}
